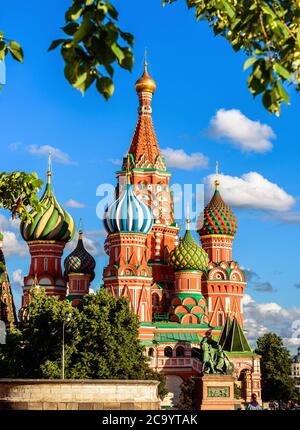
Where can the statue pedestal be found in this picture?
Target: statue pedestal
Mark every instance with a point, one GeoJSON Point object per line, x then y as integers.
{"type": "Point", "coordinates": [214, 392]}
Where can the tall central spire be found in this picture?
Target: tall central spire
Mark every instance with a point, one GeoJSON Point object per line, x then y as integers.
{"type": "Point", "coordinates": [144, 149]}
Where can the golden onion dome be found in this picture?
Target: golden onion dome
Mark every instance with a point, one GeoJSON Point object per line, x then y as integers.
{"type": "Point", "coordinates": [145, 83]}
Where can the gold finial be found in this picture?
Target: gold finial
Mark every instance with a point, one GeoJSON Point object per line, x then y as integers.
{"type": "Point", "coordinates": [187, 220]}
{"type": "Point", "coordinates": [36, 282]}
{"type": "Point", "coordinates": [145, 83]}
{"type": "Point", "coordinates": [80, 228]}
{"type": "Point", "coordinates": [217, 182]}
{"type": "Point", "coordinates": [128, 171]}
{"type": "Point", "coordinates": [145, 60]}
{"type": "Point", "coordinates": [49, 172]}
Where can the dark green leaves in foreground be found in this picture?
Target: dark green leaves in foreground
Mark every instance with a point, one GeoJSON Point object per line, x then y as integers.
{"type": "Point", "coordinates": [18, 191]}
{"type": "Point", "coordinates": [268, 32]}
{"type": "Point", "coordinates": [94, 44]}
{"type": "Point", "coordinates": [101, 341]}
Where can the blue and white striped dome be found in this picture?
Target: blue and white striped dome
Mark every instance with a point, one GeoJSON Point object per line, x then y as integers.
{"type": "Point", "coordinates": [128, 214]}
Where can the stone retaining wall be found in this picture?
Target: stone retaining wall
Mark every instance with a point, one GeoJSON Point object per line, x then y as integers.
{"type": "Point", "coordinates": [77, 394]}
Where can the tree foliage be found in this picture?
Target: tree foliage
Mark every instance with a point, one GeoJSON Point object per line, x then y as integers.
{"type": "Point", "coordinates": [18, 192]}
{"type": "Point", "coordinates": [267, 31]}
{"type": "Point", "coordinates": [94, 44]}
{"type": "Point", "coordinates": [101, 341]}
{"type": "Point", "coordinates": [186, 398]}
{"type": "Point", "coordinates": [275, 368]}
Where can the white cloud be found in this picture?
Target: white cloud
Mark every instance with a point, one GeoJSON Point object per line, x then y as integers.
{"type": "Point", "coordinates": [244, 133]}
{"type": "Point", "coordinates": [115, 161]}
{"type": "Point", "coordinates": [14, 146]}
{"type": "Point", "coordinates": [57, 154]}
{"type": "Point", "coordinates": [288, 217]}
{"type": "Point", "coordinates": [261, 318]}
{"type": "Point", "coordinates": [12, 245]}
{"type": "Point", "coordinates": [74, 204]}
{"type": "Point", "coordinates": [91, 245]}
{"type": "Point", "coordinates": [17, 277]}
{"type": "Point", "coordinates": [179, 159]}
{"type": "Point", "coordinates": [252, 191]}
{"type": "Point", "coordinates": [7, 223]}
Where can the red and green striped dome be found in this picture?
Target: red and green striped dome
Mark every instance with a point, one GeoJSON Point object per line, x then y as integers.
{"type": "Point", "coordinates": [218, 218]}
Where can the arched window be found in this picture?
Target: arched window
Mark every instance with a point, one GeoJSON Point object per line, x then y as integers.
{"type": "Point", "coordinates": [168, 351]}
{"type": "Point", "coordinates": [180, 351]}
{"type": "Point", "coordinates": [150, 352]}
{"type": "Point", "coordinates": [155, 299]}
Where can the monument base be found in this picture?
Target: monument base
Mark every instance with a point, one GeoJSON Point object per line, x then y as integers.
{"type": "Point", "coordinates": [214, 392]}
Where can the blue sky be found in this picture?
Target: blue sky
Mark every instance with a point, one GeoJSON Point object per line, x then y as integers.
{"type": "Point", "coordinates": [197, 75]}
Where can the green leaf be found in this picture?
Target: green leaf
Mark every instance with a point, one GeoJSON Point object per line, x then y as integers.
{"type": "Point", "coordinates": [249, 62]}
{"type": "Point", "coordinates": [105, 87]}
{"type": "Point", "coordinates": [128, 37]}
{"type": "Point", "coordinates": [16, 51]}
{"type": "Point", "coordinates": [55, 44]}
{"type": "Point", "coordinates": [112, 11]}
{"type": "Point", "coordinates": [79, 83]}
{"type": "Point", "coordinates": [118, 52]}
{"type": "Point", "coordinates": [298, 38]}
{"type": "Point", "coordinates": [282, 71]}
{"type": "Point", "coordinates": [283, 94]}
{"type": "Point", "coordinates": [70, 28]}
{"type": "Point", "coordinates": [82, 31]}
{"type": "Point", "coordinates": [128, 59]}
{"type": "Point", "coordinates": [74, 12]}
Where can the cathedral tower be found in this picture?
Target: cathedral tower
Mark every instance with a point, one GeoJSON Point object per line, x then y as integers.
{"type": "Point", "coordinates": [46, 235]}
{"type": "Point", "coordinates": [189, 260]}
{"type": "Point", "coordinates": [224, 281]}
{"type": "Point", "coordinates": [128, 221]}
{"type": "Point", "coordinates": [79, 271]}
{"type": "Point", "coordinates": [150, 178]}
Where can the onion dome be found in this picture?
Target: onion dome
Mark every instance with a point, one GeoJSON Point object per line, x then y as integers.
{"type": "Point", "coordinates": [80, 261]}
{"type": "Point", "coordinates": [128, 214]}
{"type": "Point", "coordinates": [188, 255]}
{"type": "Point", "coordinates": [145, 83]}
{"type": "Point", "coordinates": [52, 222]}
{"type": "Point", "coordinates": [218, 218]}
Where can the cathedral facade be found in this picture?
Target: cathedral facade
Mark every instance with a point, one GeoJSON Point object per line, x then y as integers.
{"type": "Point", "coordinates": [182, 289]}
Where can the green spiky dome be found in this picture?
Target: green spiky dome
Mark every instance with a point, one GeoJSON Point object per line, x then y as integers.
{"type": "Point", "coordinates": [218, 217]}
{"type": "Point", "coordinates": [188, 255]}
{"type": "Point", "coordinates": [51, 223]}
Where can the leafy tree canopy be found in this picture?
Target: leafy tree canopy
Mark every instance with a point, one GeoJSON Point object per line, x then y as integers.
{"type": "Point", "coordinates": [18, 193]}
{"type": "Point", "coordinates": [267, 31]}
{"type": "Point", "coordinates": [275, 368]}
{"type": "Point", "coordinates": [101, 341]}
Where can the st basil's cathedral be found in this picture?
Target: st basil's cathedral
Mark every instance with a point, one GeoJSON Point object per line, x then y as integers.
{"type": "Point", "coordinates": [181, 291]}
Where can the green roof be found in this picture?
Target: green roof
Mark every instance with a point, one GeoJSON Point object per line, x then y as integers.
{"type": "Point", "coordinates": [233, 339]}
{"type": "Point", "coordinates": [177, 337]}
{"type": "Point", "coordinates": [196, 296]}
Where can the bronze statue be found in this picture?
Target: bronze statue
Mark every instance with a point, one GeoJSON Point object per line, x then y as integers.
{"type": "Point", "coordinates": [214, 362]}
{"type": "Point", "coordinates": [207, 357]}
